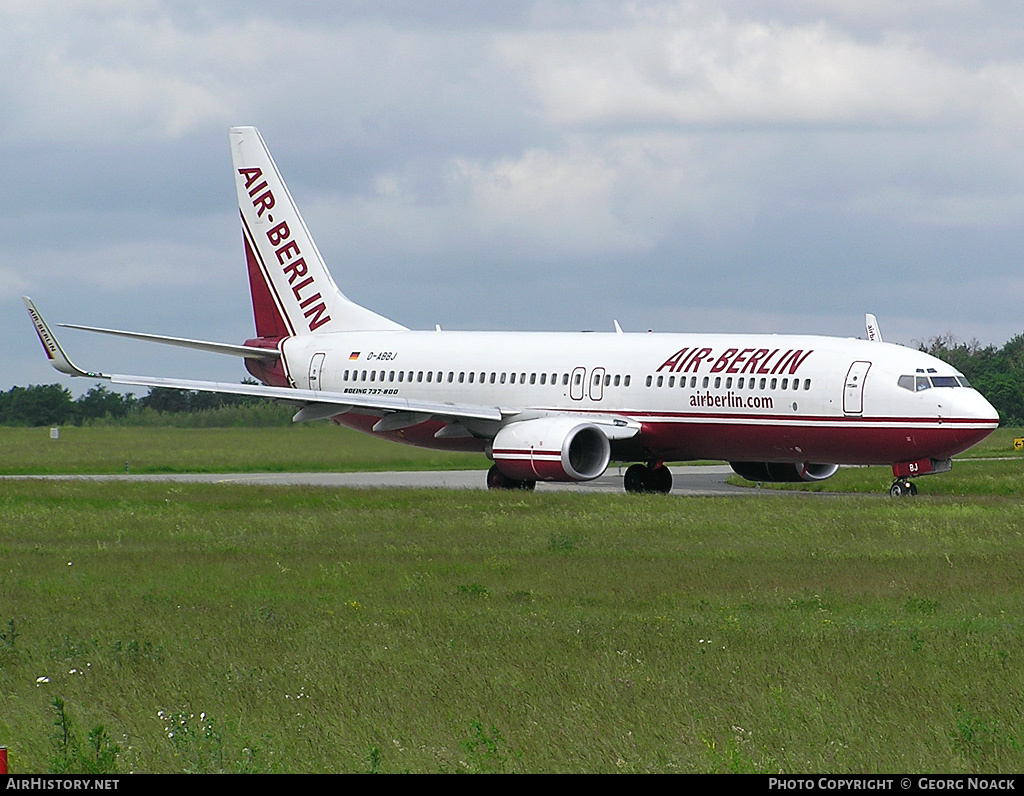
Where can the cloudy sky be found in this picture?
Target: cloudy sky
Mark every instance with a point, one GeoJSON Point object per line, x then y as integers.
{"type": "Point", "coordinates": [679, 166]}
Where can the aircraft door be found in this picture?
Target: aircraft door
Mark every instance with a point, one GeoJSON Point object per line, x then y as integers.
{"type": "Point", "coordinates": [316, 364]}
{"type": "Point", "coordinates": [853, 389]}
{"type": "Point", "coordinates": [577, 383]}
{"type": "Point", "coordinates": [597, 384]}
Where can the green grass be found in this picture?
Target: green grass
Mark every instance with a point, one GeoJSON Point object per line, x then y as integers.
{"type": "Point", "coordinates": [209, 628]}
{"type": "Point", "coordinates": [314, 447]}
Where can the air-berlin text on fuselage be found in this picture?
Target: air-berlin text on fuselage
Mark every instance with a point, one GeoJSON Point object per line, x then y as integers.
{"type": "Point", "coordinates": [764, 361]}
{"type": "Point", "coordinates": [293, 265]}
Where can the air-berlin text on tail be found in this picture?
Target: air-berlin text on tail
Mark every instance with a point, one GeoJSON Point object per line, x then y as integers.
{"type": "Point", "coordinates": [293, 265]}
{"type": "Point", "coordinates": [765, 361]}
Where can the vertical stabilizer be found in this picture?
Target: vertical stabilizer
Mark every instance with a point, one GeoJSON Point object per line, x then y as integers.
{"type": "Point", "coordinates": [871, 327]}
{"type": "Point", "coordinates": [292, 290]}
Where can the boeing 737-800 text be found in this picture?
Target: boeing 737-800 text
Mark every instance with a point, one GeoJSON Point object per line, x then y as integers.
{"type": "Point", "coordinates": [561, 406]}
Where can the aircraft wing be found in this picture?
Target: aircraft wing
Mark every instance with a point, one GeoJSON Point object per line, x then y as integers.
{"type": "Point", "coordinates": [333, 403]}
{"type": "Point", "coordinates": [315, 404]}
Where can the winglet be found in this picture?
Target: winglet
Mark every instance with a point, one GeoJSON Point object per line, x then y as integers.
{"type": "Point", "coordinates": [871, 325]}
{"type": "Point", "coordinates": [54, 352]}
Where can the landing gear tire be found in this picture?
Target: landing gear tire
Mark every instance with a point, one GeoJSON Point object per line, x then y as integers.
{"type": "Point", "coordinates": [640, 478]}
{"type": "Point", "coordinates": [902, 488]}
{"type": "Point", "coordinates": [635, 479]}
{"type": "Point", "coordinates": [496, 479]}
{"type": "Point", "coordinates": [660, 480]}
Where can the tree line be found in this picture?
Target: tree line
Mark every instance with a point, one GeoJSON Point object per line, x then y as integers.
{"type": "Point", "coordinates": [998, 373]}
{"type": "Point", "coordinates": [54, 405]}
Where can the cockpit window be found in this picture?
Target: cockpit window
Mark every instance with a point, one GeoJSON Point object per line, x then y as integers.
{"type": "Point", "coordinates": [918, 383]}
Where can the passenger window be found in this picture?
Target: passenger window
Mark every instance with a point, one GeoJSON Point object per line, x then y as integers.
{"type": "Point", "coordinates": [648, 381]}
{"type": "Point", "coordinates": [785, 384]}
{"type": "Point", "coordinates": [625, 381]}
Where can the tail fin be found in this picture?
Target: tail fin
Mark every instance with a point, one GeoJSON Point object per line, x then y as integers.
{"type": "Point", "coordinates": [292, 290]}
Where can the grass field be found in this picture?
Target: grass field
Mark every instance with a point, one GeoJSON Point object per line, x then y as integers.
{"type": "Point", "coordinates": [159, 627]}
{"type": "Point", "coordinates": [229, 628]}
{"type": "Point", "coordinates": [310, 447]}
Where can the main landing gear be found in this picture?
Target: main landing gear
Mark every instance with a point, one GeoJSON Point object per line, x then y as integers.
{"type": "Point", "coordinates": [903, 487]}
{"type": "Point", "coordinates": [648, 478]}
{"type": "Point", "coordinates": [496, 479]}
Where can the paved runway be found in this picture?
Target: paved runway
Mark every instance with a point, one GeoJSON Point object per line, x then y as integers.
{"type": "Point", "coordinates": [691, 480]}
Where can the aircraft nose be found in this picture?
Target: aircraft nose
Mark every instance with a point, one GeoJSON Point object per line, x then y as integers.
{"type": "Point", "coordinates": [973, 405]}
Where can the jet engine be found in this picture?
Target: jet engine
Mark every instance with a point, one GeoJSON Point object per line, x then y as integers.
{"type": "Point", "coordinates": [783, 471]}
{"type": "Point", "coordinates": [557, 448]}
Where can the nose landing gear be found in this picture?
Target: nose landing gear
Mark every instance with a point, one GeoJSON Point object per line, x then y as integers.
{"type": "Point", "coordinates": [903, 487]}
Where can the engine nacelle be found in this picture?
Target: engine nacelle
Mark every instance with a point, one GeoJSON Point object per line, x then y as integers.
{"type": "Point", "coordinates": [551, 449]}
{"type": "Point", "coordinates": [783, 471]}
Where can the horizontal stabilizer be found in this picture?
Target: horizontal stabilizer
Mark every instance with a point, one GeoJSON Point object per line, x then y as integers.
{"type": "Point", "coordinates": [249, 352]}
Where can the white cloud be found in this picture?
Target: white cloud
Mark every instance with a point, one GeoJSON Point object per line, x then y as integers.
{"type": "Point", "coordinates": [721, 71]}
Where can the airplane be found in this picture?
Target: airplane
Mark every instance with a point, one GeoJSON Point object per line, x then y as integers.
{"type": "Point", "coordinates": [560, 406]}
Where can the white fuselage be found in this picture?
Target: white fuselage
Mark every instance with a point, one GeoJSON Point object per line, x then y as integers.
{"type": "Point", "coordinates": [735, 397]}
